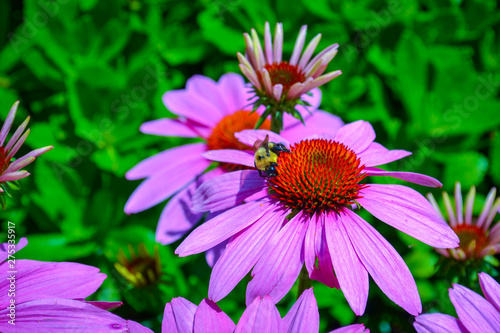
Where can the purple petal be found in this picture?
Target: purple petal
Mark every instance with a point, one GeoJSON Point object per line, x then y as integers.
{"type": "Point", "coordinates": [351, 274]}
{"type": "Point", "coordinates": [314, 99]}
{"type": "Point", "coordinates": [260, 317]}
{"type": "Point", "coordinates": [19, 164]}
{"type": "Point", "coordinates": [384, 264]}
{"type": "Point", "coordinates": [241, 254]}
{"type": "Point", "coordinates": [18, 145]}
{"type": "Point", "coordinates": [355, 328]}
{"type": "Point", "coordinates": [227, 191]}
{"type": "Point", "coordinates": [178, 316]}
{"type": "Point", "coordinates": [303, 316]}
{"type": "Point", "coordinates": [7, 249]}
{"type": "Point", "coordinates": [358, 135]}
{"type": "Point", "coordinates": [438, 323]}
{"type": "Point", "coordinates": [37, 152]}
{"type": "Point", "coordinates": [407, 210]}
{"type": "Point", "coordinates": [102, 305]}
{"type": "Point", "coordinates": [231, 156]}
{"type": "Point", "coordinates": [249, 137]}
{"type": "Point", "coordinates": [491, 289]}
{"type": "Point", "coordinates": [474, 312]}
{"type": "Point", "coordinates": [17, 134]}
{"type": "Point", "coordinates": [11, 176]}
{"type": "Point", "coordinates": [376, 154]}
{"type": "Point", "coordinates": [299, 45]}
{"type": "Point", "coordinates": [212, 255]}
{"type": "Point", "coordinates": [220, 228]}
{"type": "Point", "coordinates": [319, 122]}
{"type": "Point", "coordinates": [209, 94]}
{"type": "Point", "coordinates": [210, 318]}
{"type": "Point", "coordinates": [40, 280]}
{"type": "Point", "coordinates": [8, 123]}
{"type": "Point", "coordinates": [411, 177]}
{"type": "Point", "coordinates": [234, 91]}
{"type": "Point", "coordinates": [168, 127]}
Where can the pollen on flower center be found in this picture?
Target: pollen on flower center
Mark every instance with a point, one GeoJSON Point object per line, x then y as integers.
{"type": "Point", "coordinates": [473, 239]}
{"type": "Point", "coordinates": [285, 74]}
{"type": "Point", "coordinates": [222, 136]}
{"type": "Point", "coordinates": [318, 175]}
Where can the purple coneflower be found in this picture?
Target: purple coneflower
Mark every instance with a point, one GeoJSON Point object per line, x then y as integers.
{"type": "Point", "coordinates": [280, 84]}
{"type": "Point", "coordinates": [10, 169]}
{"type": "Point", "coordinates": [477, 237]}
{"type": "Point", "coordinates": [212, 111]}
{"type": "Point", "coordinates": [306, 212]}
{"type": "Point", "coordinates": [476, 314]}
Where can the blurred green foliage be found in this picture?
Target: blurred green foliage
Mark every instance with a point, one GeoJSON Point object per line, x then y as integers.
{"type": "Point", "coordinates": [424, 73]}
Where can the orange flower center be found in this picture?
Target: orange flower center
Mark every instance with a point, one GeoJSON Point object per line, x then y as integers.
{"type": "Point", "coordinates": [285, 74]}
{"type": "Point", "coordinates": [318, 175]}
{"type": "Point", "coordinates": [222, 136]}
{"type": "Point", "coordinates": [473, 239]}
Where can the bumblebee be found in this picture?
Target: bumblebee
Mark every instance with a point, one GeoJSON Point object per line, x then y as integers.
{"type": "Point", "coordinates": [266, 156]}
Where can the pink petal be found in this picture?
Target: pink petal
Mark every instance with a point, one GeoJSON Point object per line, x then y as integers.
{"type": "Point", "coordinates": [227, 191]}
{"type": "Point", "coordinates": [376, 154]}
{"type": "Point", "coordinates": [411, 177]}
{"type": "Point", "coordinates": [8, 123]}
{"type": "Point", "coordinates": [314, 99]}
{"type": "Point", "coordinates": [351, 274]}
{"type": "Point", "coordinates": [355, 328]}
{"type": "Point", "coordinates": [491, 289]}
{"type": "Point", "coordinates": [210, 318]}
{"type": "Point", "coordinates": [37, 152]}
{"type": "Point", "coordinates": [303, 317]}
{"type": "Point", "coordinates": [407, 210]}
{"type": "Point", "coordinates": [187, 104]}
{"type": "Point", "coordinates": [16, 175]}
{"type": "Point", "coordinates": [438, 323]}
{"type": "Point", "coordinates": [178, 316]}
{"type": "Point", "coordinates": [19, 164]}
{"type": "Point", "coordinates": [278, 42]}
{"type": "Point", "coordinates": [233, 156]}
{"type": "Point", "coordinates": [278, 268]}
{"type": "Point", "coordinates": [384, 264]}
{"type": "Point", "coordinates": [209, 94]}
{"type": "Point", "coordinates": [7, 249]}
{"type": "Point", "coordinates": [241, 254]}
{"type": "Point", "coordinates": [222, 227]}
{"type": "Point", "coordinates": [234, 91]}
{"type": "Point", "coordinates": [319, 122]}
{"type": "Point", "coordinates": [212, 255]}
{"type": "Point", "coordinates": [102, 305]}
{"type": "Point", "coordinates": [474, 312]}
{"type": "Point", "coordinates": [249, 137]}
{"type": "Point", "coordinates": [358, 135]}
{"type": "Point", "coordinates": [17, 134]}
{"type": "Point", "coordinates": [260, 317]}
{"type": "Point", "coordinates": [168, 127]}
{"type": "Point", "coordinates": [299, 45]}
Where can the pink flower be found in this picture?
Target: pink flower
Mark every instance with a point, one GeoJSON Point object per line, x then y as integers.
{"type": "Point", "coordinates": [306, 213]}
{"type": "Point", "coordinates": [212, 111]}
{"type": "Point", "coordinates": [476, 314]}
{"type": "Point", "coordinates": [10, 170]}
{"type": "Point", "coordinates": [477, 237]}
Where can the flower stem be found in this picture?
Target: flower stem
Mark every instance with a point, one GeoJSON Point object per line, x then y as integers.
{"type": "Point", "coordinates": [276, 123]}
{"type": "Point", "coordinates": [304, 281]}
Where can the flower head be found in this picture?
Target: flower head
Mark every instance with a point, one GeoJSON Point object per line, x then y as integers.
{"type": "Point", "coordinates": [477, 237]}
{"type": "Point", "coordinates": [142, 269]}
{"type": "Point", "coordinates": [475, 313]}
{"type": "Point", "coordinates": [305, 216]}
{"type": "Point", "coordinates": [10, 168]}
{"type": "Point", "coordinates": [214, 112]}
{"type": "Point", "coordinates": [279, 84]}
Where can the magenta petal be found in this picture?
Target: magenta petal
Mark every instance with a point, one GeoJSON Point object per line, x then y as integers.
{"type": "Point", "coordinates": [384, 264]}
{"type": "Point", "coordinates": [236, 94]}
{"type": "Point", "coordinates": [407, 210]}
{"type": "Point", "coordinates": [209, 318]}
{"type": "Point", "coordinates": [278, 268]}
{"type": "Point", "coordinates": [168, 127]}
{"type": "Point", "coordinates": [376, 154]}
{"type": "Point", "coordinates": [101, 304]}
{"type": "Point", "coordinates": [351, 274]}
{"type": "Point", "coordinates": [8, 123]}
{"type": "Point", "coordinates": [231, 156]}
{"type": "Point", "coordinates": [358, 135]}
{"type": "Point", "coordinates": [324, 272]}
{"type": "Point", "coordinates": [178, 316]}
{"type": "Point", "coordinates": [438, 323]}
{"type": "Point", "coordinates": [260, 317]}
{"type": "Point", "coordinates": [411, 177]}
{"type": "Point", "coordinates": [7, 249]}
{"type": "Point", "coordinates": [474, 312]}
{"type": "Point", "coordinates": [227, 191]}
{"type": "Point", "coordinates": [38, 279]}
{"type": "Point", "coordinates": [303, 317]}
{"type": "Point", "coordinates": [208, 95]}
{"type": "Point", "coordinates": [249, 137]}
{"type": "Point", "coordinates": [314, 99]}
{"type": "Point", "coordinates": [491, 289]}
{"type": "Point", "coordinates": [212, 255]}
{"type": "Point", "coordinates": [220, 228]}
{"type": "Point", "coordinates": [241, 254]}
{"type": "Point", "coordinates": [356, 328]}
{"type": "Point", "coordinates": [310, 244]}
{"type": "Point", "coordinates": [319, 122]}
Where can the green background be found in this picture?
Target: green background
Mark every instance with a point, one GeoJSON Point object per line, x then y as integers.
{"type": "Point", "coordinates": [424, 73]}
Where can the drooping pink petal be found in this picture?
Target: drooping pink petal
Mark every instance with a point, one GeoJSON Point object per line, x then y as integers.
{"type": "Point", "coordinates": [407, 210]}
{"type": "Point", "coordinates": [355, 328]}
{"type": "Point", "coordinates": [438, 323]}
{"type": "Point", "coordinates": [411, 177]}
{"type": "Point", "coordinates": [233, 156]}
{"type": "Point", "coordinates": [242, 252]}
{"type": "Point", "coordinates": [209, 95]}
{"type": "Point", "coordinates": [7, 249]}
{"type": "Point", "coordinates": [39, 280]}
{"type": "Point", "coordinates": [101, 304]}
{"type": "Point", "coordinates": [277, 270]}
{"type": "Point", "coordinates": [178, 316]}
{"type": "Point", "coordinates": [376, 154]}
{"type": "Point", "coordinates": [8, 123]}
{"type": "Point", "coordinates": [227, 191]}
{"type": "Point", "coordinates": [210, 318]}
{"type": "Point", "coordinates": [310, 244]}
{"type": "Point", "coordinates": [320, 122]}
{"type": "Point", "coordinates": [222, 227]}
{"type": "Point", "coordinates": [303, 317]}
{"type": "Point", "coordinates": [384, 264]}
{"type": "Point", "coordinates": [474, 312]}
{"type": "Point", "coordinates": [249, 137]}
{"type": "Point", "coordinates": [260, 317]}
{"type": "Point", "coordinates": [491, 289]}
{"type": "Point", "coordinates": [351, 274]}
{"type": "Point", "coordinates": [187, 104]}
{"type": "Point", "coordinates": [324, 272]}
{"type": "Point", "coordinates": [168, 127]}
{"type": "Point", "coordinates": [235, 91]}
{"type": "Point", "coordinates": [358, 135]}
